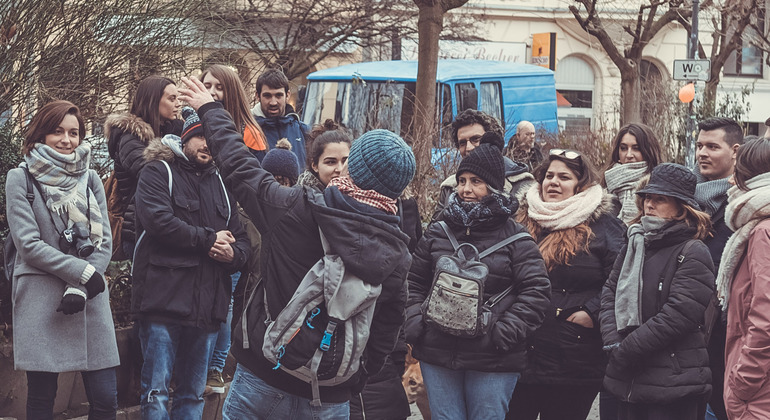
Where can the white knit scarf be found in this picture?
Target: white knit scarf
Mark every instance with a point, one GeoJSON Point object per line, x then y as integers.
{"type": "Point", "coordinates": [566, 213]}
{"type": "Point", "coordinates": [745, 210]}
{"type": "Point", "coordinates": [621, 181]}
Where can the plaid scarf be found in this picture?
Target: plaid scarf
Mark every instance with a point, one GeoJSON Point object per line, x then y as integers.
{"type": "Point", "coordinates": [369, 197]}
{"type": "Point", "coordinates": [63, 181]}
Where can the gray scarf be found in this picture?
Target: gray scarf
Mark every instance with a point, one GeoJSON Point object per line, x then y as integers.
{"type": "Point", "coordinates": [711, 195]}
{"type": "Point", "coordinates": [621, 181]}
{"type": "Point", "coordinates": [628, 294]}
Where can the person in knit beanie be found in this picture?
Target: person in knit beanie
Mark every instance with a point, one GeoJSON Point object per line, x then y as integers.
{"type": "Point", "coordinates": [192, 124]}
{"type": "Point", "coordinates": [381, 161]}
{"type": "Point", "coordinates": [487, 163]}
{"type": "Point", "coordinates": [282, 163]}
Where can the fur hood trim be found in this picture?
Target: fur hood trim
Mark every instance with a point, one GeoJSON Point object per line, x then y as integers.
{"type": "Point", "coordinates": [128, 123]}
{"type": "Point", "coordinates": [605, 207]}
{"type": "Point", "coordinates": [156, 150]}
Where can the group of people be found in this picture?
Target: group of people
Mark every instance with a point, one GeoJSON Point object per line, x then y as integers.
{"type": "Point", "coordinates": [636, 284]}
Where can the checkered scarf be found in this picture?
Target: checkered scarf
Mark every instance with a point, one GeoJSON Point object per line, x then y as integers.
{"type": "Point", "coordinates": [369, 197]}
{"type": "Point", "coordinates": [63, 181]}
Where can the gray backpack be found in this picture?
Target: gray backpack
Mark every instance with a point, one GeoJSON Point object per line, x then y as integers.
{"type": "Point", "coordinates": [321, 334]}
{"type": "Point", "coordinates": [455, 303]}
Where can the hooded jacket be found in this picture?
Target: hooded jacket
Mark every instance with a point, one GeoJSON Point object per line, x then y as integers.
{"type": "Point", "coordinates": [174, 279]}
{"type": "Point", "coordinates": [562, 352]}
{"type": "Point", "coordinates": [287, 127]}
{"type": "Point", "coordinates": [368, 241]}
{"type": "Point", "coordinates": [665, 358]}
{"type": "Point", "coordinates": [127, 136]}
{"type": "Point", "coordinates": [515, 317]}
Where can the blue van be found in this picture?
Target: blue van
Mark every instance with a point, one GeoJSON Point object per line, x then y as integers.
{"type": "Point", "coordinates": [380, 94]}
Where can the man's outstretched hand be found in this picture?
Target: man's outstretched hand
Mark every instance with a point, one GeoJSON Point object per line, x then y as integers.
{"type": "Point", "coordinates": [194, 93]}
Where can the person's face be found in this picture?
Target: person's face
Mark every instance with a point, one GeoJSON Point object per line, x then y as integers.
{"type": "Point", "coordinates": [197, 151]}
{"type": "Point", "coordinates": [468, 138]}
{"type": "Point", "coordinates": [661, 206]}
{"type": "Point", "coordinates": [471, 188]}
{"type": "Point", "coordinates": [214, 86]}
{"type": "Point", "coordinates": [628, 150]}
{"type": "Point", "coordinates": [559, 183]}
{"type": "Point", "coordinates": [716, 158]}
{"type": "Point", "coordinates": [66, 137]}
{"type": "Point", "coordinates": [168, 108]}
{"type": "Point", "coordinates": [273, 101]}
{"type": "Point", "coordinates": [525, 137]}
{"type": "Point", "coordinates": [332, 162]}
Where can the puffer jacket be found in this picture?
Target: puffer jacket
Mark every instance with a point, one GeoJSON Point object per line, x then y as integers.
{"type": "Point", "coordinates": [288, 127]}
{"type": "Point", "coordinates": [368, 241]}
{"type": "Point", "coordinates": [562, 352]}
{"type": "Point", "coordinates": [664, 359]}
{"type": "Point", "coordinates": [127, 136]}
{"type": "Point", "coordinates": [174, 279]}
{"type": "Point", "coordinates": [517, 315]}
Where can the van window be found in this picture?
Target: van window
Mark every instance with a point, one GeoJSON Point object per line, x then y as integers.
{"type": "Point", "coordinates": [446, 118]}
{"type": "Point", "coordinates": [467, 97]}
{"type": "Point", "coordinates": [492, 100]}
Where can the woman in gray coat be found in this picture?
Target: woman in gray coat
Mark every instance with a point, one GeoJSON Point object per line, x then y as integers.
{"type": "Point", "coordinates": [62, 320]}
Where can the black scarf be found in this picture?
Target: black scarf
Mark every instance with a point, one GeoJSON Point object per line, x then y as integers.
{"type": "Point", "coordinates": [493, 209]}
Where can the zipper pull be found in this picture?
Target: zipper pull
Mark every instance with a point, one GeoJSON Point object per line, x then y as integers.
{"type": "Point", "coordinates": [468, 231]}
{"type": "Point", "coordinates": [660, 286]}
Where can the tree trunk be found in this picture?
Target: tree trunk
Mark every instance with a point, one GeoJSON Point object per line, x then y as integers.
{"type": "Point", "coordinates": [631, 98]}
{"type": "Point", "coordinates": [424, 125]}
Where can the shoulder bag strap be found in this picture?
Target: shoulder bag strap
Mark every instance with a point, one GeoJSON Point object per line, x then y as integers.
{"type": "Point", "coordinates": [30, 193]}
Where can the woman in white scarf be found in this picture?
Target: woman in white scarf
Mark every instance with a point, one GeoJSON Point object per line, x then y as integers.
{"type": "Point", "coordinates": [61, 317]}
{"type": "Point", "coordinates": [743, 284]}
{"type": "Point", "coordinates": [635, 152]}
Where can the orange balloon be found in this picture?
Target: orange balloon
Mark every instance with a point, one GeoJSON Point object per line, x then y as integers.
{"type": "Point", "coordinates": [687, 93]}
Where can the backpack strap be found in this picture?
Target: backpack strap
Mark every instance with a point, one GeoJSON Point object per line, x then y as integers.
{"type": "Point", "coordinates": [504, 242]}
{"type": "Point", "coordinates": [170, 177]}
{"type": "Point", "coordinates": [449, 235]}
{"type": "Point", "coordinates": [30, 193]}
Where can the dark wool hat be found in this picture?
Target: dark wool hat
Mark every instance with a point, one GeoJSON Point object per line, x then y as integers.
{"type": "Point", "coordinates": [381, 161]}
{"type": "Point", "coordinates": [486, 162]}
{"type": "Point", "coordinates": [494, 139]}
{"type": "Point", "coordinates": [281, 161]}
{"type": "Point", "coordinates": [192, 124]}
{"type": "Point", "coordinates": [672, 180]}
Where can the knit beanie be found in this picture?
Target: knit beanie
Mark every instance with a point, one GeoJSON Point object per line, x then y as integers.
{"type": "Point", "coordinates": [486, 162]}
{"type": "Point", "coordinates": [192, 124]}
{"type": "Point", "coordinates": [381, 161]}
{"type": "Point", "coordinates": [490, 137]}
{"type": "Point", "coordinates": [282, 161]}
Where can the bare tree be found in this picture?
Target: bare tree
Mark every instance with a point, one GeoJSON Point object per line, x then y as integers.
{"type": "Point", "coordinates": [624, 36]}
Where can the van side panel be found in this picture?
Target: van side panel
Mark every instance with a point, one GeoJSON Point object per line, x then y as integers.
{"type": "Point", "coordinates": [531, 98]}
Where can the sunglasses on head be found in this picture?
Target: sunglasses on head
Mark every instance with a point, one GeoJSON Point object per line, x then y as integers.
{"type": "Point", "coordinates": [569, 154]}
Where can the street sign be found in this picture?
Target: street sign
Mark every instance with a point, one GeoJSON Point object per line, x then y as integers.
{"type": "Point", "coordinates": [692, 70]}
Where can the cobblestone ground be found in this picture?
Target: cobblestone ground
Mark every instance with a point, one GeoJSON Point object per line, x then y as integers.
{"type": "Point", "coordinates": [594, 415]}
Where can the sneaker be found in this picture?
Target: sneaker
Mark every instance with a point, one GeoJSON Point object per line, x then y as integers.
{"type": "Point", "coordinates": [214, 383]}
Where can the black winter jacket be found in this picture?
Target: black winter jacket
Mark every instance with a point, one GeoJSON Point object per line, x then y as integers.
{"type": "Point", "coordinates": [368, 241]}
{"type": "Point", "coordinates": [127, 136]}
{"type": "Point", "coordinates": [174, 279]}
{"type": "Point", "coordinates": [562, 352]}
{"type": "Point", "coordinates": [665, 358]}
{"type": "Point", "coordinates": [518, 315]}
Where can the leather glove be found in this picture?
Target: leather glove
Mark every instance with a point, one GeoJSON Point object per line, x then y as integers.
{"type": "Point", "coordinates": [94, 285]}
{"type": "Point", "coordinates": [71, 304]}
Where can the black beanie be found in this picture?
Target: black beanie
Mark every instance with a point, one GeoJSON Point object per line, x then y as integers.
{"type": "Point", "coordinates": [494, 139]}
{"type": "Point", "coordinates": [486, 162]}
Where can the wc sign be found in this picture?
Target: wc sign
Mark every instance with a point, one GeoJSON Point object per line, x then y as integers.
{"type": "Point", "coordinates": [692, 70]}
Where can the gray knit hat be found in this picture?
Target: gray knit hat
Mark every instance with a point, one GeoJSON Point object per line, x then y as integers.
{"type": "Point", "coordinates": [381, 161]}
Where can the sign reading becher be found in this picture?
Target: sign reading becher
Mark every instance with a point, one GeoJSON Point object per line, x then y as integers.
{"type": "Point", "coordinates": [692, 70]}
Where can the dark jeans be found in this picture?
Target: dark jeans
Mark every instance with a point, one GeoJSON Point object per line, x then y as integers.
{"type": "Point", "coordinates": [101, 391]}
{"type": "Point", "coordinates": [552, 402]}
{"type": "Point", "coordinates": [685, 409]}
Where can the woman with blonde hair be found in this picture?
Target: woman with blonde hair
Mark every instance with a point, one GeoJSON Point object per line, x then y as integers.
{"type": "Point", "coordinates": [570, 216]}
{"type": "Point", "coordinates": [653, 315]}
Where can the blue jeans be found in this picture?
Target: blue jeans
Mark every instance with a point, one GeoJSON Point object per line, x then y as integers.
{"type": "Point", "coordinates": [101, 392]}
{"type": "Point", "coordinates": [467, 394]}
{"type": "Point", "coordinates": [182, 350]}
{"type": "Point", "coordinates": [251, 398]}
{"type": "Point", "coordinates": [222, 345]}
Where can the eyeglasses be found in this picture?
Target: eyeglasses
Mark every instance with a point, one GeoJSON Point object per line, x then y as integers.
{"type": "Point", "coordinates": [569, 154]}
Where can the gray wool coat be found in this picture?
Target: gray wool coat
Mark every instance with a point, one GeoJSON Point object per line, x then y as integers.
{"type": "Point", "coordinates": [43, 339]}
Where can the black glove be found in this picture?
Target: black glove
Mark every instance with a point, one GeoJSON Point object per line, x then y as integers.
{"type": "Point", "coordinates": [71, 304]}
{"type": "Point", "coordinates": [94, 285]}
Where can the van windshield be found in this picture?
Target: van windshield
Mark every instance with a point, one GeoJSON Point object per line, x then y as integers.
{"type": "Point", "coordinates": [361, 106]}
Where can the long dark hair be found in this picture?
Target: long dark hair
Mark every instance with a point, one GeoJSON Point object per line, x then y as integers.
{"type": "Point", "coordinates": [47, 120]}
{"type": "Point", "coordinates": [235, 101]}
{"type": "Point", "coordinates": [147, 98]}
{"type": "Point", "coordinates": [321, 136]}
{"type": "Point", "coordinates": [583, 169]}
{"type": "Point", "coordinates": [646, 140]}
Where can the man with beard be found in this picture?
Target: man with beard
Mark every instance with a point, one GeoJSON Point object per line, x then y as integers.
{"type": "Point", "coordinates": [522, 148]}
{"type": "Point", "coordinates": [717, 144]}
{"type": "Point", "coordinates": [190, 241]}
{"type": "Point", "coordinates": [277, 118]}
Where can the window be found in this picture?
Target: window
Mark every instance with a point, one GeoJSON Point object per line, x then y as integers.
{"type": "Point", "coordinates": [491, 100]}
{"type": "Point", "coordinates": [467, 97]}
{"type": "Point", "coordinates": [746, 60]}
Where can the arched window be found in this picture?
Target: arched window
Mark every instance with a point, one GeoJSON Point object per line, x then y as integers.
{"type": "Point", "coordinates": [574, 93]}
